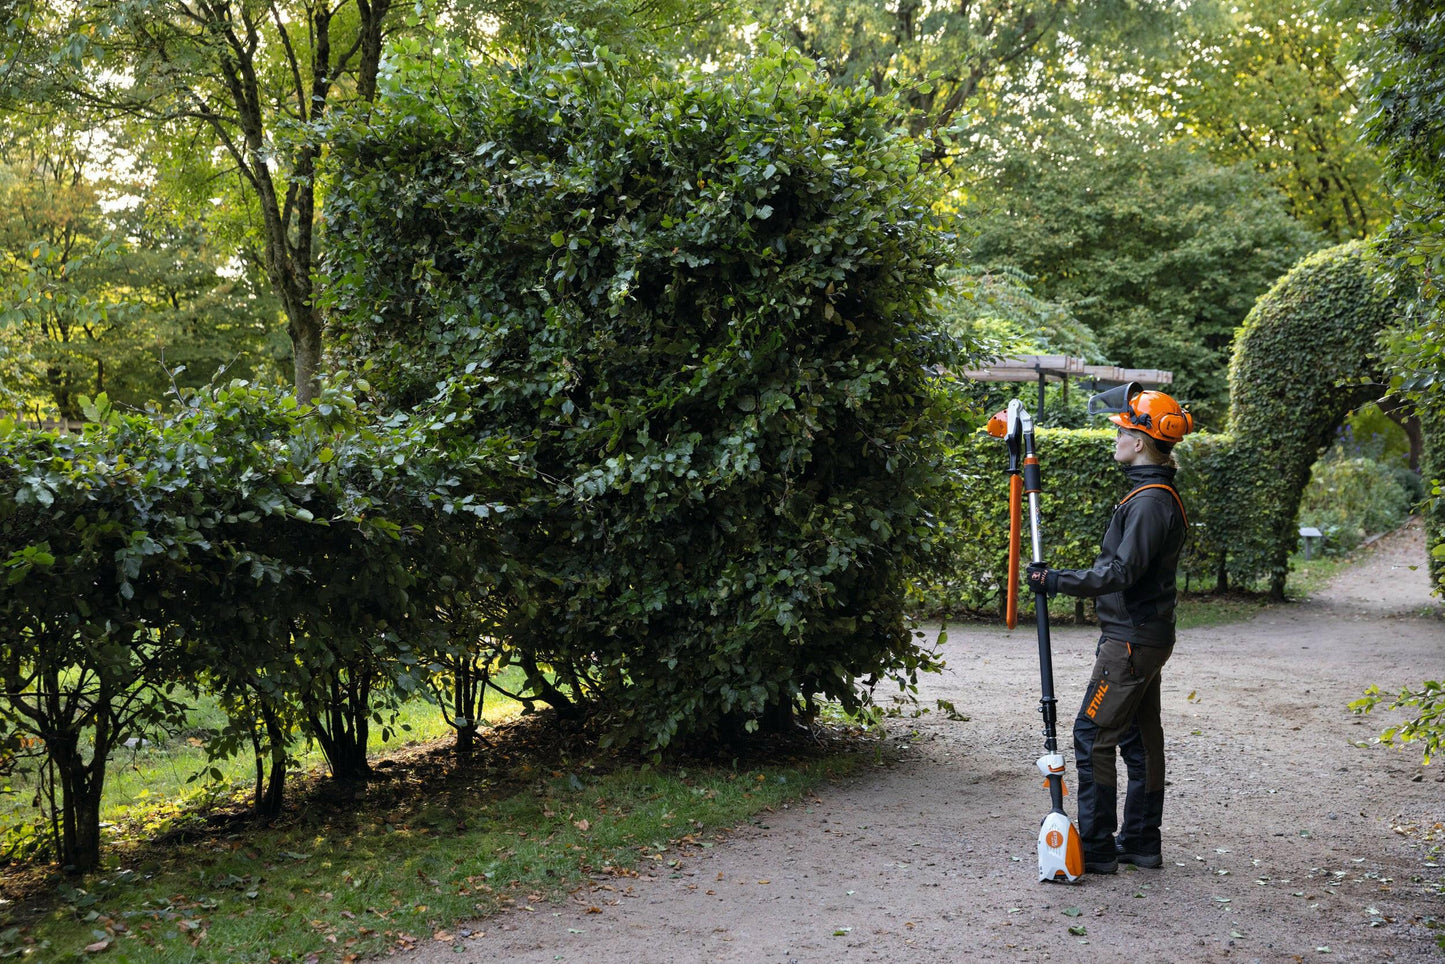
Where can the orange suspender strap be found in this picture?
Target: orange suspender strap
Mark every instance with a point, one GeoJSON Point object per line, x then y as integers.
{"type": "Point", "coordinates": [1168, 488]}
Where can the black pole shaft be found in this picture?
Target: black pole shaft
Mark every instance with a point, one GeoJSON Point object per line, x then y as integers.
{"type": "Point", "coordinates": [1048, 705]}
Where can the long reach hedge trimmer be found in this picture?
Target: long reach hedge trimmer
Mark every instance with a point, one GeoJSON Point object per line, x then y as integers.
{"type": "Point", "coordinates": [1061, 853]}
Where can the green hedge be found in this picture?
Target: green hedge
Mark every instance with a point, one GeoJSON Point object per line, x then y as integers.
{"type": "Point", "coordinates": [1432, 469]}
{"type": "Point", "coordinates": [297, 563]}
{"type": "Point", "coordinates": [701, 305]}
{"type": "Point", "coordinates": [1082, 484]}
{"type": "Point", "coordinates": [1303, 359]}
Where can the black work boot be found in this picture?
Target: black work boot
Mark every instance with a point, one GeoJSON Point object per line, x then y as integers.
{"type": "Point", "coordinates": [1126, 854]}
{"type": "Point", "coordinates": [1100, 864]}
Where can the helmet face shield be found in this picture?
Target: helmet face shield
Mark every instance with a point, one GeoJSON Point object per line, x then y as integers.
{"type": "Point", "coordinates": [1114, 401]}
{"type": "Point", "coordinates": [1153, 413]}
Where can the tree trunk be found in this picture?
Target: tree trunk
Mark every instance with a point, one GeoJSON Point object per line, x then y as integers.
{"type": "Point", "coordinates": [305, 331]}
{"type": "Point", "coordinates": [80, 790]}
{"type": "Point", "coordinates": [269, 804]}
{"type": "Point", "coordinates": [1221, 575]}
{"type": "Point", "coordinates": [342, 728]}
{"type": "Point", "coordinates": [469, 689]}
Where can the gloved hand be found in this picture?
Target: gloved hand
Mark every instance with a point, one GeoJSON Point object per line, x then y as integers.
{"type": "Point", "coordinates": [1037, 577]}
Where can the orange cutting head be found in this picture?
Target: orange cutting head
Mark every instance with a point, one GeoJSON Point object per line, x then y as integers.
{"type": "Point", "coordinates": [998, 425]}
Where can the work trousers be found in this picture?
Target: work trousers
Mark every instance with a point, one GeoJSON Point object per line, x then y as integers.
{"type": "Point", "coordinates": [1121, 711]}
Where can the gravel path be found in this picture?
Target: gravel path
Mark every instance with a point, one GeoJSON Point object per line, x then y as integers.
{"type": "Point", "coordinates": [1285, 839]}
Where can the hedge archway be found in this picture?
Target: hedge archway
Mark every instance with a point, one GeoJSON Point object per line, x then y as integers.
{"type": "Point", "coordinates": [1304, 358]}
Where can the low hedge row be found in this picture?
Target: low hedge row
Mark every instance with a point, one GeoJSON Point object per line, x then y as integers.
{"type": "Point", "coordinates": [1082, 484]}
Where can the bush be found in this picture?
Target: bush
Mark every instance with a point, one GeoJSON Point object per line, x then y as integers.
{"type": "Point", "coordinates": [1208, 463]}
{"type": "Point", "coordinates": [1082, 484]}
{"type": "Point", "coordinates": [293, 561]}
{"type": "Point", "coordinates": [702, 303]}
{"type": "Point", "coordinates": [1350, 498]}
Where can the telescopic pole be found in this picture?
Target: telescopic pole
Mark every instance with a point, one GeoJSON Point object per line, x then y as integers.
{"type": "Point", "coordinates": [1061, 853]}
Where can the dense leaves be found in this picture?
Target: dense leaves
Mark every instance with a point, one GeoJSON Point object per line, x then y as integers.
{"type": "Point", "coordinates": [1323, 317]}
{"type": "Point", "coordinates": [1276, 84]}
{"type": "Point", "coordinates": [1406, 120]}
{"type": "Point", "coordinates": [1081, 486]}
{"type": "Point", "coordinates": [270, 553]}
{"type": "Point", "coordinates": [1159, 251]}
{"type": "Point", "coordinates": [702, 301]}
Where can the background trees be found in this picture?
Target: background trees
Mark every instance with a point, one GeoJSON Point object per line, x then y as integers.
{"type": "Point", "coordinates": [104, 288]}
{"type": "Point", "coordinates": [1158, 250]}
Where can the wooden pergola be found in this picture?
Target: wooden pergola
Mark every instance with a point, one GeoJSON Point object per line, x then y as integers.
{"type": "Point", "coordinates": [1059, 368]}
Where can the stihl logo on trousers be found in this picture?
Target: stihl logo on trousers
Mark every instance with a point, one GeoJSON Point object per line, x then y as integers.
{"type": "Point", "coordinates": [1098, 698]}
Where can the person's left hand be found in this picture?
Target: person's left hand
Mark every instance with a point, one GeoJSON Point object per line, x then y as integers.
{"type": "Point", "coordinates": [1038, 577]}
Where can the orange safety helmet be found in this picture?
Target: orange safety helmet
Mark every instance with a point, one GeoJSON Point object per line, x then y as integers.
{"type": "Point", "coordinates": [1156, 415]}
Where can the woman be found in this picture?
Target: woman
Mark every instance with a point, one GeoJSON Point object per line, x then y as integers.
{"type": "Point", "coordinates": [1133, 579]}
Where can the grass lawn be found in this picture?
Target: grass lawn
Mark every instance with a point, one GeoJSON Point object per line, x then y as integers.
{"type": "Point", "coordinates": [428, 844]}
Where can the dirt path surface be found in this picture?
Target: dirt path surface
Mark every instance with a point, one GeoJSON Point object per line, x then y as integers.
{"type": "Point", "coordinates": [1284, 839]}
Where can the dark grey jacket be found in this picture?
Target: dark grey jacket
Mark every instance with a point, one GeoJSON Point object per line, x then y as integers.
{"type": "Point", "coordinates": [1134, 575]}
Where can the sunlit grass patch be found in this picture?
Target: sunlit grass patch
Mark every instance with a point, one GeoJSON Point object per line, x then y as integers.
{"type": "Point", "coordinates": [428, 845]}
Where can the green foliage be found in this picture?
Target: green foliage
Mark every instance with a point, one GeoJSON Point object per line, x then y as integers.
{"type": "Point", "coordinates": [271, 553]}
{"type": "Point", "coordinates": [1208, 462]}
{"type": "Point", "coordinates": [1155, 248]}
{"type": "Point", "coordinates": [1432, 470]}
{"type": "Point", "coordinates": [952, 65]}
{"type": "Point", "coordinates": [1406, 119]}
{"type": "Point", "coordinates": [1370, 433]}
{"type": "Point", "coordinates": [1428, 724]}
{"type": "Point", "coordinates": [1304, 359]}
{"type": "Point", "coordinates": [1274, 85]}
{"type": "Point", "coordinates": [703, 303]}
{"type": "Point", "coordinates": [1082, 483]}
{"type": "Point", "coordinates": [996, 310]}
{"type": "Point", "coordinates": [1350, 498]}
{"type": "Point", "coordinates": [103, 294]}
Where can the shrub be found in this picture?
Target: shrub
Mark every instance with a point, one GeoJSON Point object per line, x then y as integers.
{"type": "Point", "coordinates": [1350, 498]}
{"type": "Point", "coordinates": [702, 303]}
{"type": "Point", "coordinates": [1081, 485]}
{"type": "Point", "coordinates": [275, 555]}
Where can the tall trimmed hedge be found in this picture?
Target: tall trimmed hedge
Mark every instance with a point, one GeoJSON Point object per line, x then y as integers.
{"type": "Point", "coordinates": [699, 305]}
{"type": "Point", "coordinates": [1081, 485]}
{"type": "Point", "coordinates": [1303, 359]}
{"type": "Point", "coordinates": [1432, 468]}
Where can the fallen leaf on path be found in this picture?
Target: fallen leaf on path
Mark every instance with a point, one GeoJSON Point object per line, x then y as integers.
{"type": "Point", "coordinates": [98, 946]}
{"type": "Point", "coordinates": [1078, 930]}
{"type": "Point", "coordinates": [1072, 912]}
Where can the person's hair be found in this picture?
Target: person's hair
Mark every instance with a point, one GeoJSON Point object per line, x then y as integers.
{"type": "Point", "coordinates": [1160, 453]}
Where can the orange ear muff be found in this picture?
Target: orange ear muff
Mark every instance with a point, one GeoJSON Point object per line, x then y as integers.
{"type": "Point", "coordinates": [1174, 426]}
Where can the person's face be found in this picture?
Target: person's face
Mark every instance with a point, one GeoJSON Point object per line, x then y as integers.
{"type": "Point", "coordinates": [1128, 449]}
